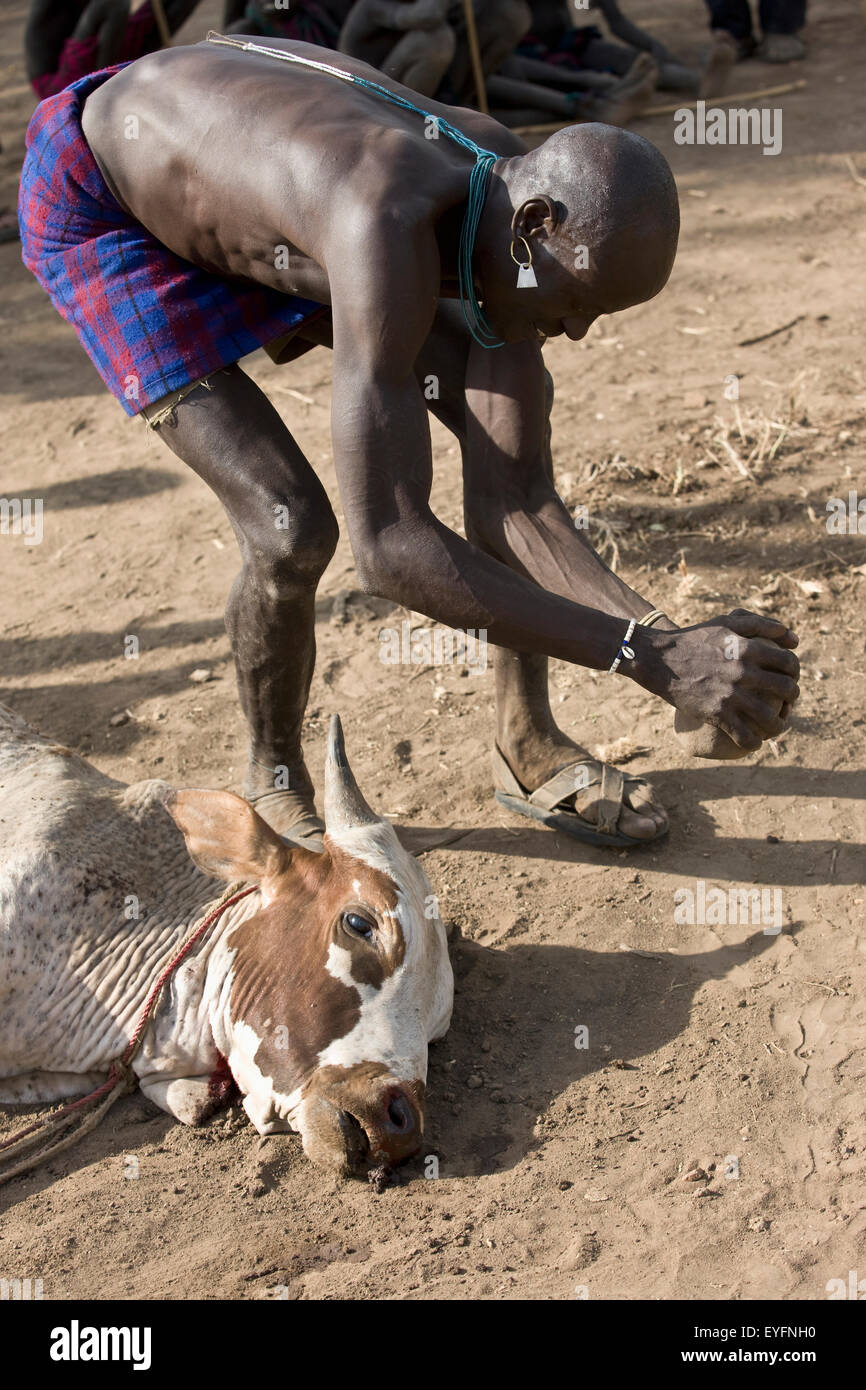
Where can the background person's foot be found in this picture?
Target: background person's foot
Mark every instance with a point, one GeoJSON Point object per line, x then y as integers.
{"type": "Point", "coordinates": [781, 48]}
{"type": "Point", "coordinates": [721, 58]}
{"type": "Point", "coordinates": [628, 97]}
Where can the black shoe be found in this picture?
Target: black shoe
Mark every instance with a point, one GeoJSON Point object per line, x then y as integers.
{"type": "Point", "coordinates": [781, 48]}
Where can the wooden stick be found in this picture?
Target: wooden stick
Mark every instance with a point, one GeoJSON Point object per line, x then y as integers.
{"type": "Point", "coordinates": [161, 23]}
{"type": "Point", "coordinates": [762, 337]}
{"type": "Point", "coordinates": [475, 55]}
{"type": "Point", "coordinates": [683, 105]}
{"type": "Point", "coordinates": [734, 96]}
{"type": "Point", "coordinates": [852, 167]}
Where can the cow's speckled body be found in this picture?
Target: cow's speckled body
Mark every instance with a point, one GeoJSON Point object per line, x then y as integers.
{"type": "Point", "coordinates": [99, 887]}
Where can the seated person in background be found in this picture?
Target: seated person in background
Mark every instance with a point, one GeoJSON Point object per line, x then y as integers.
{"type": "Point", "coordinates": [518, 96]}
{"type": "Point", "coordinates": [308, 21]}
{"type": "Point", "coordinates": [410, 41]}
{"type": "Point", "coordinates": [500, 25]}
{"type": "Point", "coordinates": [553, 51]}
{"type": "Point", "coordinates": [67, 39]}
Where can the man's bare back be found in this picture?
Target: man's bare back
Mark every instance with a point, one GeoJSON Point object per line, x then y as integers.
{"type": "Point", "coordinates": [236, 154]}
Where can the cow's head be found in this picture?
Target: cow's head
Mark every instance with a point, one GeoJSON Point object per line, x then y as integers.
{"type": "Point", "coordinates": [337, 982]}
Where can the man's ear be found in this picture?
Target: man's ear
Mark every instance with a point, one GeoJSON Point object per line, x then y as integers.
{"type": "Point", "coordinates": [226, 838]}
{"type": "Point", "coordinates": [535, 215]}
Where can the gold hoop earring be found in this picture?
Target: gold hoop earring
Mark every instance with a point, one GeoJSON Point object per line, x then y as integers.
{"type": "Point", "coordinates": [526, 279]}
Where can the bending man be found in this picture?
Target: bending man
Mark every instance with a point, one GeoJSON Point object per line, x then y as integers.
{"type": "Point", "coordinates": [265, 201]}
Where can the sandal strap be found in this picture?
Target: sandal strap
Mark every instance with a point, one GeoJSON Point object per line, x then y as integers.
{"type": "Point", "coordinates": [564, 783]}
{"type": "Point", "coordinates": [611, 799]}
{"type": "Point", "coordinates": [503, 776]}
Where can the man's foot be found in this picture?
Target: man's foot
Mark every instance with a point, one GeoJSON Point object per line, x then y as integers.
{"type": "Point", "coordinates": [631, 95]}
{"type": "Point", "coordinates": [534, 760]}
{"type": "Point", "coordinates": [289, 809]}
{"type": "Point", "coordinates": [722, 57]}
{"type": "Point", "coordinates": [781, 48]}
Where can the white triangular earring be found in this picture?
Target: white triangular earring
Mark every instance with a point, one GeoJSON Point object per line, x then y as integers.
{"type": "Point", "coordinates": [526, 278]}
{"type": "Point", "coordinates": [525, 273]}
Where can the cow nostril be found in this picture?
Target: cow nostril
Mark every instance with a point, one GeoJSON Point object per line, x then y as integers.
{"type": "Point", "coordinates": [400, 1113]}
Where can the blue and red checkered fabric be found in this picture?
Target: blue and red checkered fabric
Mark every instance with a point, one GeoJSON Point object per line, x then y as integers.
{"type": "Point", "coordinates": [149, 320]}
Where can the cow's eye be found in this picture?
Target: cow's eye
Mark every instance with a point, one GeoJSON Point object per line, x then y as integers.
{"type": "Point", "coordinates": [359, 926]}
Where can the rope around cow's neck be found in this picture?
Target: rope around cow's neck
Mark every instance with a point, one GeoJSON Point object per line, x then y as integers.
{"type": "Point", "coordinates": [476, 319]}
{"type": "Point", "coordinates": [121, 1078]}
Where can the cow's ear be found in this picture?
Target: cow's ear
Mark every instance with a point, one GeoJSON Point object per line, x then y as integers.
{"type": "Point", "coordinates": [226, 838]}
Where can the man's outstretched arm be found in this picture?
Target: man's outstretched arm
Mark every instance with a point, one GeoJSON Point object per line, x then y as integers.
{"type": "Point", "coordinates": [514, 512]}
{"type": "Point", "coordinates": [383, 460]}
{"type": "Point", "coordinates": [512, 507]}
{"type": "Point", "coordinates": [403, 552]}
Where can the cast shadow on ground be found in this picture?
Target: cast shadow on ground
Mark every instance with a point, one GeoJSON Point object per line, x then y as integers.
{"type": "Point", "coordinates": [738, 858]}
{"type": "Point", "coordinates": [526, 1003]}
{"type": "Point", "coordinates": [135, 1124]}
{"type": "Point", "coordinates": [98, 489]}
{"type": "Point", "coordinates": [24, 655]}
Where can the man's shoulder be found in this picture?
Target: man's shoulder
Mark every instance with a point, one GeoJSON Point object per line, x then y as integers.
{"type": "Point", "coordinates": [487, 133]}
{"type": "Point", "coordinates": [490, 134]}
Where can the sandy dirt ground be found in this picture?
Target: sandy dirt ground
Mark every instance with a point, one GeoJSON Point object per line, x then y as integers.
{"type": "Point", "coordinates": [717, 1047]}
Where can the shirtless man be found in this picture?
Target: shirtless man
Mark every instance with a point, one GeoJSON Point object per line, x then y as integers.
{"type": "Point", "coordinates": [285, 189]}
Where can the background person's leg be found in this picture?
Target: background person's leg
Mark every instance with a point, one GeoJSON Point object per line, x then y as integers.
{"type": "Point", "coordinates": [735, 17]}
{"type": "Point", "coordinates": [781, 21]}
{"type": "Point", "coordinates": [421, 58]}
{"type": "Point", "coordinates": [501, 24]}
{"type": "Point", "coordinates": [559, 77]}
{"type": "Point", "coordinates": [604, 55]}
{"type": "Point", "coordinates": [108, 20]}
{"type": "Point", "coordinates": [233, 438]}
{"type": "Point", "coordinates": [782, 16]}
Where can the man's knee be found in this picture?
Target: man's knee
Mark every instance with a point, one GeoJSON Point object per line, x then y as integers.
{"type": "Point", "coordinates": [293, 544]}
{"type": "Point", "coordinates": [506, 20]}
{"type": "Point", "coordinates": [443, 45]}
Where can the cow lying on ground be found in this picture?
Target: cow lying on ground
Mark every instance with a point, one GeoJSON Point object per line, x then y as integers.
{"type": "Point", "coordinates": [318, 993]}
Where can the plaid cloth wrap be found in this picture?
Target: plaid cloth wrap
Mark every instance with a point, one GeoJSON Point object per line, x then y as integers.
{"type": "Point", "coordinates": [150, 321]}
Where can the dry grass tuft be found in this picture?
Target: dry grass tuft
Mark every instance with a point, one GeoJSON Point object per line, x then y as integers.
{"type": "Point", "coordinates": [748, 440]}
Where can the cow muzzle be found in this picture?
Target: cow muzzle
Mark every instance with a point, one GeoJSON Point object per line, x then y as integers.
{"type": "Point", "coordinates": [347, 1123]}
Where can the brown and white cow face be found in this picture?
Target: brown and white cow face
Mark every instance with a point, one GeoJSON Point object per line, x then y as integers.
{"type": "Point", "coordinates": [337, 984]}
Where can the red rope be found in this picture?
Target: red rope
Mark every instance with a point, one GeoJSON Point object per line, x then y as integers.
{"type": "Point", "coordinates": [130, 1049]}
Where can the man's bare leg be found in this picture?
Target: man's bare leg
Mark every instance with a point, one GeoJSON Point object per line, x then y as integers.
{"type": "Point", "coordinates": [717, 69]}
{"type": "Point", "coordinates": [526, 732]}
{"type": "Point", "coordinates": [673, 76]}
{"type": "Point", "coordinates": [420, 59]}
{"type": "Point", "coordinates": [232, 437]}
{"type": "Point", "coordinates": [417, 57]}
{"type": "Point", "coordinates": [616, 103]}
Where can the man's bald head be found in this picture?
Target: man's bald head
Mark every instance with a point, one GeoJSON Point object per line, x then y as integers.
{"type": "Point", "coordinates": [615, 190]}
{"type": "Point", "coordinates": [589, 186]}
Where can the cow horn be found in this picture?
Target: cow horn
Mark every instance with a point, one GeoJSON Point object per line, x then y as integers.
{"type": "Point", "coordinates": [345, 807]}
